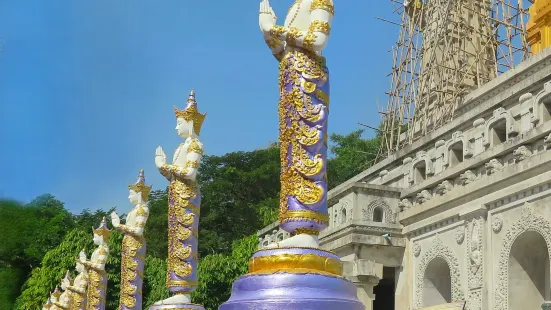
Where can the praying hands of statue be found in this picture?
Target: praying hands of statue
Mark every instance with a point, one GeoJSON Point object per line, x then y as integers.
{"type": "Point", "coordinates": [82, 257]}
{"type": "Point", "coordinates": [160, 157]}
{"type": "Point", "coordinates": [266, 18]}
{"type": "Point", "coordinates": [115, 219]}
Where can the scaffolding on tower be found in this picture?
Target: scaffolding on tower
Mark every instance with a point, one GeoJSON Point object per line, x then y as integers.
{"type": "Point", "coordinates": [445, 50]}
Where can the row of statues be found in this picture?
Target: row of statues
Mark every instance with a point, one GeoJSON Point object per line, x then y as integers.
{"type": "Point", "coordinates": [88, 290]}
{"type": "Point", "coordinates": [303, 114]}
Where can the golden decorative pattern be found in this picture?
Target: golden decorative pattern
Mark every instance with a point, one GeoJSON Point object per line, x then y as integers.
{"type": "Point", "coordinates": [309, 40]}
{"type": "Point", "coordinates": [273, 43]}
{"type": "Point", "coordinates": [321, 96]}
{"type": "Point", "coordinates": [102, 230]}
{"type": "Point", "coordinates": [307, 231]}
{"type": "Point", "coordinates": [195, 147]}
{"type": "Point", "coordinates": [192, 164]}
{"type": "Point", "coordinates": [292, 36]}
{"type": "Point", "coordinates": [95, 289]}
{"type": "Point", "coordinates": [325, 5]}
{"type": "Point", "coordinates": [320, 26]}
{"type": "Point", "coordinates": [278, 31]}
{"type": "Point", "coordinates": [305, 215]}
{"type": "Point", "coordinates": [140, 187]}
{"type": "Point", "coordinates": [296, 261]}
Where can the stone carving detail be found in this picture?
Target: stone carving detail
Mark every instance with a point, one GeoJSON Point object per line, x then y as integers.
{"type": "Point", "coordinates": [368, 212]}
{"type": "Point", "coordinates": [497, 223]}
{"type": "Point", "coordinates": [547, 140]}
{"type": "Point", "coordinates": [474, 246]}
{"type": "Point", "coordinates": [460, 234]}
{"type": "Point", "coordinates": [493, 166]}
{"type": "Point", "coordinates": [467, 177]}
{"type": "Point", "coordinates": [474, 302]}
{"type": "Point", "coordinates": [416, 249]}
{"type": "Point", "coordinates": [444, 187]}
{"type": "Point", "coordinates": [405, 204]}
{"type": "Point", "coordinates": [542, 97]}
{"type": "Point", "coordinates": [423, 196]}
{"type": "Point", "coordinates": [521, 153]}
{"type": "Point", "coordinates": [438, 249]}
{"type": "Point", "coordinates": [528, 221]}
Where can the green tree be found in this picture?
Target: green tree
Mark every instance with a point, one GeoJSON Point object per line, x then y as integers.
{"type": "Point", "coordinates": [154, 287]}
{"type": "Point", "coordinates": [352, 155]}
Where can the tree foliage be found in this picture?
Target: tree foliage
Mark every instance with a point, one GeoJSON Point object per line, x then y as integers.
{"type": "Point", "coordinates": [352, 155]}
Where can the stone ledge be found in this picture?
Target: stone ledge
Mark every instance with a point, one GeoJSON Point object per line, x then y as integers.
{"type": "Point", "coordinates": [334, 196]}
{"type": "Point", "coordinates": [362, 239]}
{"type": "Point", "coordinates": [507, 147]}
{"type": "Point", "coordinates": [510, 175]}
{"type": "Point", "coordinates": [362, 268]}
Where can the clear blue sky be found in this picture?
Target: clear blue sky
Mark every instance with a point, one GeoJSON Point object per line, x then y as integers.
{"type": "Point", "coordinates": [87, 87]}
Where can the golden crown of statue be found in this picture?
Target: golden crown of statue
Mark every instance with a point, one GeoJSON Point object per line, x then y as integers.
{"type": "Point", "coordinates": [48, 304]}
{"type": "Point", "coordinates": [102, 230]}
{"type": "Point", "coordinates": [190, 113]}
{"type": "Point", "coordinates": [140, 186]}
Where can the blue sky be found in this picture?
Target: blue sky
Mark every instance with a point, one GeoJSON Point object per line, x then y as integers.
{"type": "Point", "coordinates": [87, 87]}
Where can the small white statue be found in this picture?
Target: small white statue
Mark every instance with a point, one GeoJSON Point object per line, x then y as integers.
{"type": "Point", "coordinates": [78, 288]}
{"type": "Point", "coordinates": [54, 298]}
{"type": "Point", "coordinates": [97, 285]}
{"type": "Point", "coordinates": [184, 205]}
{"type": "Point", "coordinates": [133, 245]}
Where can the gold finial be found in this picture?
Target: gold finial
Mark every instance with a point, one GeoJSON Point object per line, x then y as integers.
{"type": "Point", "coordinates": [140, 186]}
{"type": "Point", "coordinates": [190, 113]}
{"type": "Point", "coordinates": [102, 230]}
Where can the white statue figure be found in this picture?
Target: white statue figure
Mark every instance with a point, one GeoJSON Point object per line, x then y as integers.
{"type": "Point", "coordinates": [184, 204]}
{"type": "Point", "coordinates": [133, 245]}
{"type": "Point", "coordinates": [303, 113]}
{"type": "Point", "coordinates": [97, 285]}
{"type": "Point", "coordinates": [78, 289]}
{"type": "Point", "coordinates": [64, 300]}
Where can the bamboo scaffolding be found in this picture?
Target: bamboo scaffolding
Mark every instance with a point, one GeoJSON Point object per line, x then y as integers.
{"type": "Point", "coordinates": [445, 50]}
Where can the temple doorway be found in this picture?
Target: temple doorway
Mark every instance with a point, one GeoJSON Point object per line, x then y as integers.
{"type": "Point", "coordinates": [385, 290]}
{"type": "Point", "coordinates": [528, 272]}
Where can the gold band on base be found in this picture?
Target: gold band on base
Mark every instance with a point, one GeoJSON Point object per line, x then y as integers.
{"type": "Point", "coordinates": [307, 231]}
{"type": "Point", "coordinates": [304, 215]}
{"type": "Point", "coordinates": [312, 262]}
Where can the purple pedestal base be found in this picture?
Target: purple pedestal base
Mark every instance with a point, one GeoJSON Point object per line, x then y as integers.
{"type": "Point", "coordinates": [292, 292]}
{"type": "Point", "coordinates": [177, 307]}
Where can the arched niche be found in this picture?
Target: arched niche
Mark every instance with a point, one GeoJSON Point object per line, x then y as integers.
{"type": "Point", "coordinates": [456, 149]}
{"type": "Point", "coordinates": [528, 272]}
{"type": "Point", "coordinates": [437, 283]}
{"type": "Point", "coordinates": [541, 104]}
{"type": "Point", "coordinates": [378, 211]}
{"type": "Point", "coordinates": [499, 128]}
{"type": "Point", "coordinates": [421, 168]}
{"type": "Point", "coordinates": [438, 250]}
{"type": "Point", "coordinates": [528, 222]}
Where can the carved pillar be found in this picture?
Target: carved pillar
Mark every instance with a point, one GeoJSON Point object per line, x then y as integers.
{"type": "Point", "coordinates": [365, 275]}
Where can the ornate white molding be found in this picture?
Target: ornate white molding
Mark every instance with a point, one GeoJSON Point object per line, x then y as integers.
{"type": "Point", "coordinates": [438, 250]}
{"type": "Point", "coordinates": [459, 234]}
{"type": "Point", "coordinates": [497, 223]}
{"type": "Point", "coordinates": [388, 215]}
{"type": "Point", "coordinates": [528, 221]}
{"type": "Point", "coordinates": [421, 157]}
{"type": "Point", "coordinates": [416, 249]}
{"type": "Point", "coordinates": [458, 137]}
